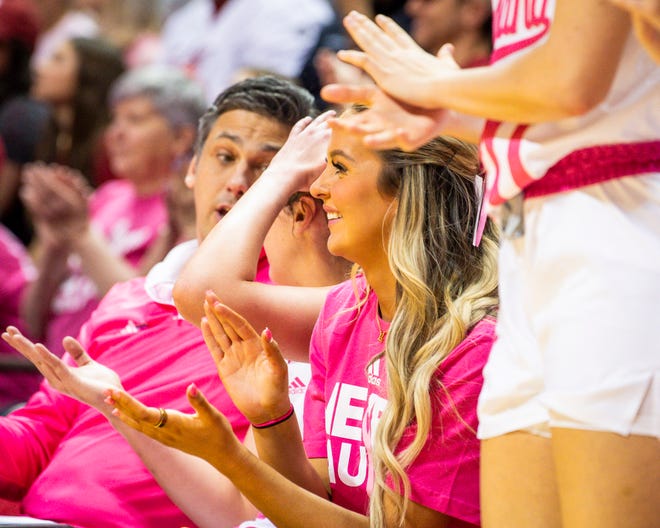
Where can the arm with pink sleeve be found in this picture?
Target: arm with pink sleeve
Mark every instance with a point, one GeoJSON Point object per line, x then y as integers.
{"type": "Point", "coordinates": [30, 436]}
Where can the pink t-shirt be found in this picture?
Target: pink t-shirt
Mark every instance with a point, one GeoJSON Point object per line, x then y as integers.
{"type": "Point", "coordinates": [65, 459]}
{"type": "Point", "coordinates": [347, 395]}
{"type": "Point", "coordinates": [130, 224]}
{"type": "Point", "coordinates": [16, 270]}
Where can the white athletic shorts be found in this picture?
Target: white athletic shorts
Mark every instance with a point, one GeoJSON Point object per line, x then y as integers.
{"type": "Point", "coordinates": [579, 323]}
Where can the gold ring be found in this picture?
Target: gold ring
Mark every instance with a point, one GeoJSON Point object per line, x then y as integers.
{"type": "Point", "coordinates": [163, 418]}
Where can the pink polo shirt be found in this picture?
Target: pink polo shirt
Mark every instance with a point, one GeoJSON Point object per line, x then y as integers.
{"type": "Point", "coordinates": [66, 461]}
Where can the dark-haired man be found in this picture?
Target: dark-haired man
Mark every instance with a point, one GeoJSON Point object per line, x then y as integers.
{"type": "Point", "coordinates": [64, 460]}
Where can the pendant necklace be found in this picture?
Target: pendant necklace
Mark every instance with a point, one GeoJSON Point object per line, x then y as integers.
{"type": "Point", "coordinates": [381, 332]}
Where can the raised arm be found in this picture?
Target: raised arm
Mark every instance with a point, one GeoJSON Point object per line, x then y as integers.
{"type": "Point", "coordinates": [566, 75]}
{"type": "Point", "coordinates": [52, 247]}
{"type": "Point", "coordinates": [254, 373]}
{"type": "Point", "coordinates": [528, 87]}
{"type": "Point", "coordinates": [237, 240]}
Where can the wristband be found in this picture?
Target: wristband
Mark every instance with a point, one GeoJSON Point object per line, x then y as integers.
{"type": "Point", "coordinates": [276, 421]}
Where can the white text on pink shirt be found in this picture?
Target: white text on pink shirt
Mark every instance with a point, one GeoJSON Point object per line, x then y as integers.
{"type": "Point", "coordinates": [345, 414]}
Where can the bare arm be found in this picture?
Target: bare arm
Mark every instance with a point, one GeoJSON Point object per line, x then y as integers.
{"type": "Point", "coordinates": [51, 248]}
{"type": "Point", "coordinates": [254, 373]}
{"type": "Point", "coordinates": [278, 498]}
{"type": "Point", "coordinates": [206, 496]}
{"type": "Point", "coordinates": [289, 311]}
{"type": "Point", "coordinates": [567, 75]}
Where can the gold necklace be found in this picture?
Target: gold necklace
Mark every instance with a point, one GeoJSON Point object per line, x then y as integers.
{"type": "Point", "coordinates": [381, 332]}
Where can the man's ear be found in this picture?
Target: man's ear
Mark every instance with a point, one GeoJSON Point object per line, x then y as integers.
{"type": "Point", "coordinates": [304, 211]}
{"type": "Point", "coordinates": [189, 180]}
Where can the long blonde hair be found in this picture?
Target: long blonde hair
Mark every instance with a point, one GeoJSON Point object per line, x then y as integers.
{"type": "Point", "coordinates": [445, 286]}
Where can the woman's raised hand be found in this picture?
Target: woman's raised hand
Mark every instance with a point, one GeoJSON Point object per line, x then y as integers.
{"type": "Point", "coordinates": [86, 383]}
{"type": "Point", "coordinates": [250, 365]}
{"type": "Point", "coordinates": [206, 433]}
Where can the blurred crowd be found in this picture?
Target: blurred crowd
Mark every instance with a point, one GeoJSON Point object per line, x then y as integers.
{"type": "Point", "coordinates": [128, 131]}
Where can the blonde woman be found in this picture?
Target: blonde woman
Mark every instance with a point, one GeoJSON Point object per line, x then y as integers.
{"type": "Point", "coordinates": [401, 344]}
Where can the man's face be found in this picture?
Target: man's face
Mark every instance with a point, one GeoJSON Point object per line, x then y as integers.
{"type": "Point", "coordinates": [239, 147]}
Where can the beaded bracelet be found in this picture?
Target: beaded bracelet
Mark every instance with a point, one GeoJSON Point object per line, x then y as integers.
{"type": "Point", "coordinates": [275, 421]}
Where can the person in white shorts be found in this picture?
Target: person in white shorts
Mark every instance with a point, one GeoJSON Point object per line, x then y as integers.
{"type": "Point", "coordinates": [568, 119]}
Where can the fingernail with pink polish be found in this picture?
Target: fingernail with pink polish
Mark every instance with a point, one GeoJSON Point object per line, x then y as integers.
{"type": "Point", "coordinates": [268, 334]}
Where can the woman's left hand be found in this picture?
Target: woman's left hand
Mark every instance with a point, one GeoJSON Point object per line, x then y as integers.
{"type": "Point", "coordinates": [206, 433]}
{"type": "Point", "coordinates": [250, 365]}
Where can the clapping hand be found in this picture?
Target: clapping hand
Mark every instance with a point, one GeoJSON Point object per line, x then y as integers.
{"type": "Point", "coordinates": [251, 367]}
{"type": "Point", "coordinates": [57, 199]}
{"type": "Point", "coordinates": [88, 382]}
{"type": "Point", "coordinates": [206, 433]}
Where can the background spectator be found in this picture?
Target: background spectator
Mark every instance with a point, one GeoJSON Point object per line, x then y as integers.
{"type": "Point", "coordinates": [17, 380]}
{"type": "Point", "coordinates": [75, 81]}
{"type": "Point", "coordinates": [214, 39]}
{"type": "Point", "coordinates": [19, 27]}
{"type": "Point", "coordinates": [464, 23]}
{"type": "Point", "coordinates": [62, 122]}
{"type": "Point", "coordinates": [89, 245]}
{"type": "Point", "coordinates": [134, 26]}
{"type": "Point", "coordinates": [62, 20]}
